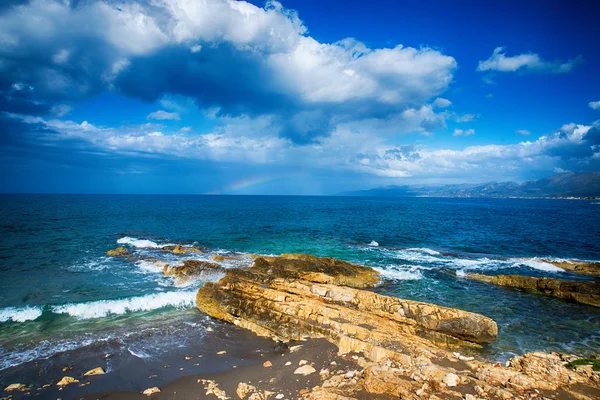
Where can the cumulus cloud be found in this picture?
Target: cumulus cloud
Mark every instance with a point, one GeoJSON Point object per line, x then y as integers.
{"type": "Point", "coordinates": [523, 132]}
{"type": "Point", "coordinates": [232, 55]}
{"type": "Point", "coordinates": [440, 102]}
{"type": "Point", "coordinates": [498, 61]}
{"type": "Point", "coordinates": [461, 132]}
{"type": "Point", "coordinates": [594, 105]}
{"type": "Point", "coordinates": [164, 115]}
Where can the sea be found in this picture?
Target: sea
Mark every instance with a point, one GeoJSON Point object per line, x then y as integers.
{"type": "Point", "coordinates": [64, 302]}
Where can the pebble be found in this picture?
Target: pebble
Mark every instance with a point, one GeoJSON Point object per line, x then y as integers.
{"type": "Point", "coordinates": [288, 363]}
{"type": "Point", "coordinates": [302, 362]}
{"type": "Point", "coordinates": [67, 380]}
{"type": "Point", "coordinates": [305, 370]}
{"type": "Point", "coordinates": [267, 364]}
{"type": "Point", "coordinates": [221, 352]}
{"type": "Point", "coordinates": [151, 391]}
{"type": "Point", "coordinates": [95, 371]}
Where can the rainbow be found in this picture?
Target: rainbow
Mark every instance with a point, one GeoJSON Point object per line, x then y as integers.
{"type": "Point", "coordinates": [245, 183]}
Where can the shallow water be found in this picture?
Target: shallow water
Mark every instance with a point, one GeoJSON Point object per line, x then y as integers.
{"type": "Point", "coordinates": [60, 292]}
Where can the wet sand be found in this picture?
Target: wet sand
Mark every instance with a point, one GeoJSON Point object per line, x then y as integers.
{"type": "Point", "coordinates": [279, 378]}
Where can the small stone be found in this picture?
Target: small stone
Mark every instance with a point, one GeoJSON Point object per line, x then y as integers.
{"type": "Point", "coordinates": [243, 389]}
{"type": "Point", "coordinates": [279, 396]}
{"type": "Point", "coordinates": [188, 358]}
{"type": "Point", "coordinates": [302, 362]}
{"type": "Point", "coordinates": [153, 376]}
{"type": "Point", "coordinates": [67, 368]}
{"type": "Point", "coordinates": [296, 348]}
{"type": "Point", "coordinates": [151, 391]}
{"type": "Point", "coordinates": [267, 364]}
{"type": "Point", "coordinates": [333, 363]}
{"type": "Point", "coordinates": [209, 329]}
{"type": "Point", "coordinates": [67, 380]}
{"type": "Point", "coordinates": [221, 352]}
{"type": "Point", "coordinates": [95, 371]}
{"type": "Point", "coordinates": [13, 387]}
{"type": "Point", "coordinates": [451, 380]}
{"type": "Point", "coordinates": [324, 372]}
{"type": "Point", "coordinates": [181, 369]}
{"type": "Point", "coordinates": [288, 363]}
{"type": "Point", "coordinates": [107, 356]}
{"type": "Point", "coordinates": [305, 370]}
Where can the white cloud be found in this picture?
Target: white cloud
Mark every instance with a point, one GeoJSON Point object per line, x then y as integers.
{"type": "Point", "coordinates": [498, 61]}
{"type": "Point", "coordinates": [523, 132]}
{"type": "Point", "coordinates": [440, 102]}
{"type": "Point", "coordinates": [350, 148]}
{"type": "Point", "coordinates": [465, 118]}
{"type": "Point", "coordinates": [163, 115]}
{"type": "Point", "coordinates": [594, 105]}
{"type": "Point", "coordinates": [294, 64]}
{"type": "Point", "coordinates": [460, 132]}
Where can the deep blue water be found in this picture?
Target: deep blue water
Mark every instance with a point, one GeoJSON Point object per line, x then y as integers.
{"type": "Point", "coordinates": [59, 291]}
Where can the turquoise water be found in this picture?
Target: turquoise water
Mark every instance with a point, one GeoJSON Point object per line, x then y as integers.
{"type": "Point", "coordinates": [60, 292]}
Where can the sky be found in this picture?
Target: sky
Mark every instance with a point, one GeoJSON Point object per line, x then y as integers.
{"type": "Point", "coordinates": [294, 97]}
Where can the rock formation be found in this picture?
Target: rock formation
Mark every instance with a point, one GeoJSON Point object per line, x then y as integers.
{"type": "Point", "coordinates": [192, 269]}
{"type": "Point", "coordinates": [405, 348]}
{"type": "Point", "coordinates": [586, 292]}
{"type": "Point", "coordinates": [580, 267]}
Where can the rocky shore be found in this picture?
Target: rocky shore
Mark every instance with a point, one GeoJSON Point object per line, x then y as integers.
{"type": "Point", "coordinates": [585, 292]}
{"type": "Point", "coordinates": [336, 339]}
{"type": "Point", "coordinates": [403, 348]}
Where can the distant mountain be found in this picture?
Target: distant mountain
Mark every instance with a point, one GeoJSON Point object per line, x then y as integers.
{"type": "Point", "coordinates": [567, 184]}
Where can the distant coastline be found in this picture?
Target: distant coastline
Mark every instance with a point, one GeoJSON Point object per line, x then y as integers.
{"type": "Point", "coordinates": [564, 186]}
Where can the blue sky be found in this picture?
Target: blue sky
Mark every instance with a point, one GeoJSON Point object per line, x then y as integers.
{"type": "Point", "coordinates": [297, 97]}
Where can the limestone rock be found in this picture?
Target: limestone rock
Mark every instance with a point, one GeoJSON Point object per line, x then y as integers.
{"type": "Point", "coordinates": [305, 370]}
{"type": "Point", "coordinates": [151, 391]}
{"type": "Point", "coordinates": [580, 267]}
{"type": "Point", "coordinates": [95, 371]}
{"type": "Point", "coordinates": [267, 364]}
{"type": "Point", "coordinates": [15, 387]}
{"type": "Point", "coordinates": [118, 252]}
{"type": "Point", "coordinates": [180, 250]}
{"type": "Point", "coordinates": [67, 380]}
{"type": "Point", "coordinates": [192, 269]}
{"type": "Point", "coordinates": [451, 380]}
{"type": "Point", "coordinates": [586, 292]}
{"type": "Point", "coordinates": [243, 389]}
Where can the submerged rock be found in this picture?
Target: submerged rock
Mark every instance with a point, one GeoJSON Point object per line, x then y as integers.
{"type": "Point", "coordinates": [192, 269]}
{"type": "Point", "coordinates": [118, 252]}
{"type": "Point", "coordinates": [180, 250]}
{"type": "Point", "coordinates": [585, 292]}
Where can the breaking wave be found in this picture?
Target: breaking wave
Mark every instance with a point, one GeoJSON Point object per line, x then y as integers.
{"type": "Point", "coordinates": [139, 243]}
{"type": "Point", "coordinates": [15, 314]}
{"type": "Point", "coordinates": [104, 308]}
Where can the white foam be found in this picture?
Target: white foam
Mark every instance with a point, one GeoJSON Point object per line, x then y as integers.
{"type": "Point", "coordinates": [535, 263]}
{"type": "Point", "coordinates": [20, 314]}
{"type": "Point", "coordinates": [400, 272]}
{"type": "Point", "coordinates": [139, 243]}
{"type": "Point", "coordinates": [374, 244]}
{"type": "Point", "coordinates": [461, 273]}
{"type": "Point", "coordinates": [103, 308]}
{"type": "Point", "coordinates": [425, 250]}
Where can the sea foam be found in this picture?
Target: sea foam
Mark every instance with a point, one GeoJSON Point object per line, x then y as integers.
{"type": "Point", "coordinates": [400, 272]}
{"type": "Point", "coordinates": [103, 308]}
{"type": "Point", "coordinates": [535, 263]}
{"type": "Point", "coordinates": [139, 243]}
{"type": "Point", "coordinates": [20, 314]}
